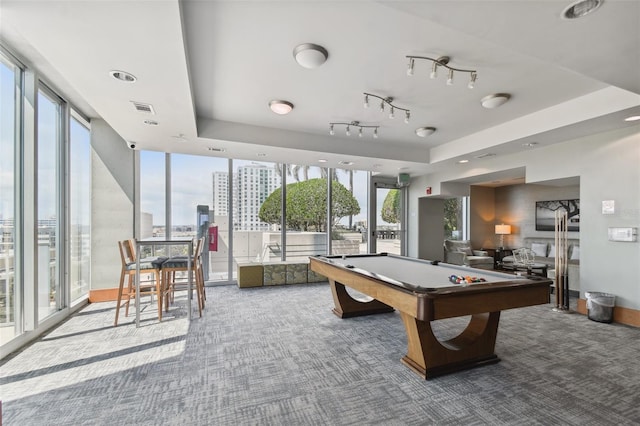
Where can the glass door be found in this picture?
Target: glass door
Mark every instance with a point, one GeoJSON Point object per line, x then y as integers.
{"type": "Point", "coordinates": [387, 217]}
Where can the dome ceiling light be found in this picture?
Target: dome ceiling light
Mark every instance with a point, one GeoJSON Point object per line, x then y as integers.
{"type": "Point", "coordinates": [281, 107]}
{"type": "Point", "coordinates": [309, 55]}
{"type": "Point", "coordinates": [581, 8]}
{"type": "Point", "coordinates": [423, 132]}
{"type": "Point", "coordinates": [495, 100]}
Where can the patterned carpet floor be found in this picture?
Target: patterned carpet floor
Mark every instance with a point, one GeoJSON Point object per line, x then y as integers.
{"type": "Point", "coordinates": [278, 356]}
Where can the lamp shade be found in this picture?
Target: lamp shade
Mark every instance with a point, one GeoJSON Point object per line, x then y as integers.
{"type": "Point", "coordinates": [503, 229]}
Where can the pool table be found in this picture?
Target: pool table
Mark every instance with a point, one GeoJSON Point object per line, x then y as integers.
{"type": "Point", "coordinates": [422, 292]}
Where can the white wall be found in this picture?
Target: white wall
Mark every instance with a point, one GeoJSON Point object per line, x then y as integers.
{"type": "Point", "coordinates": [608, 165]}
{"type": "Point", "coordinates": [112, 200]}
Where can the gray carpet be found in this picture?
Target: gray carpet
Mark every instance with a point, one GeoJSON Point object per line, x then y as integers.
{"type": "Point", "coordinates": [278, 356]}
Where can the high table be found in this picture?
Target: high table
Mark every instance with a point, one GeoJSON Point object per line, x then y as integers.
{"type": "Point", "coordinates": [422, 292]}
{"type": "Point", "coordinates": [154, 243]}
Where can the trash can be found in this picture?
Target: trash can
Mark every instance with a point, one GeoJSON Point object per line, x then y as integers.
{"type": "Point", "coordinates": [600, 306]}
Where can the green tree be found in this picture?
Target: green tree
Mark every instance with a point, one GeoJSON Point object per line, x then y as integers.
{"type": "Point", "coordinates": [307, 205]}
{"type": "Point", "coordinates": [391, 207]}
{"type": "Point", "coordinates": [451, 216]}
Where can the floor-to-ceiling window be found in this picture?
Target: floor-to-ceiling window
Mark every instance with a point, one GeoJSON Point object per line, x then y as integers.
{"type": "Point", "coordinates": [152, 194]}
{"type": "Point", "coordinates": [79, 207]}
{"type": "Point", "coordinates": [202, 181]}
{"type": "Point", "coordinates": [350, 206]}
{"type": "Point", "coordinates": [9, 90]}
{"type": "Point", "coordinates": [48, 190]}
{"type": "Point", "coordinates": [255, 236]}
{"type": "Point", "coordinates": [44, 204]}
{"type": "Point", "coordinates": [245, 201]}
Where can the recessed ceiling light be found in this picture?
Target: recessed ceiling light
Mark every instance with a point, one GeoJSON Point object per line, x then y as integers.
{"type": "Point", "coordinates": [403, 168]}
{"type": "Point", "coordinates": [151, 122]}
{"type": "Point", "coordinates": [423, 132]}
{"type": "Point", "coordinates": [322, 160]}
{"type": "Point", "coordinates": [495, 100]}
{"type": "Point", "coordinates": [485, 155]}
{"type": "Point", "coordinates": [346, 163]}
{"type": "Point", "coordinates": [123, 76]}
{"type": "Point", "coordinates": [214, 149]}
{"type": "Point", "coordinates": [261, 154]}
{"type": "Point", "coordinates": [633, 118]}
{"type": "Point", "coordinates": [530, 144]}
{"type": "Point", "coordinates": [580, 8]}
{"type": "Point", "coordinates": [463, 161]}
{"type": "Point", "coordinates": [309, 55]}
{"type": "Point", "coordinates": [281, 107]}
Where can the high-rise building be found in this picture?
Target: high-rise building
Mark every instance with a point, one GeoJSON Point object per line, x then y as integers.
{"type": "Point", "coordinates": [251, 185]}
{"type": "Point", "coordinates": [220, 193]}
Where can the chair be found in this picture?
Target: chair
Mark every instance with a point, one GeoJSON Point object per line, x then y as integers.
{"type": "Point", "coordinates": [181, 264]}
{"type": "Point", "coordinates": [147, 266]}
{"type": "Point", "coordinates": [460, 253]}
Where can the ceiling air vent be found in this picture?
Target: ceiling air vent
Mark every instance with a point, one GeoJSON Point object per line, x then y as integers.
{"type": "Point", "coordinates": [145, 108]}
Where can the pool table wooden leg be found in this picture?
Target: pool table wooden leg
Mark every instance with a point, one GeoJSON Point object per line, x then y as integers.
{"type": "Point", "coordinates": [348, 307]}
{"type": "Point", "coordinates": [431, 357]}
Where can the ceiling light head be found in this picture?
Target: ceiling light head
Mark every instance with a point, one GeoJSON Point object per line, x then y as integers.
{"type": "Point", "coordinates": [580, 8]}
{"type": "Point", "coordinates": [633, 118]}
{"type": "Point", "coordinates": [463, 161]}
{"type": "Point", "coordinates": [423, 132]}
{"type": "Point", "coordinates": [410, 68]}
{"type": "Point", "coordinates": [472, 80]}
{"type": "Point", "coordinates": [309, 55]}
{"type": "Point", "coordinates": [322, 160]}
{"type": "Point", "coordinates": [345, 163]}
{"type": "Point", "coordinates": [150, 122]}
{"type": "Point", "coordinates": [495, 100]}
{"type": "Point", "coordinates": [123, 76]}
{"type": "Point", "coordinates": [281, 107]}
{"type": "Point", "coordinates": [530, 144]}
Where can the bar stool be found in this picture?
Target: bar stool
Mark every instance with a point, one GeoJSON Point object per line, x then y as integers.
{"type": "Point", "coordinates": [147, 266]}
{"type": "Point", "coordinates": [181, 264]}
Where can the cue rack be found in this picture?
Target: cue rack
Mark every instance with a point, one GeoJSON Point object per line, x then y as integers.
{"type": "Point", "coordinates": [561, 262]}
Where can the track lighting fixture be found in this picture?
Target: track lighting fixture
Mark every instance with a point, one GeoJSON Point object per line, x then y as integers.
{"type": "Point", "coordinates": [442, 61]}
{"type": "Point", "coordinates": [353, 124]}
{"type": "Point", "coordinates": [387, 101]}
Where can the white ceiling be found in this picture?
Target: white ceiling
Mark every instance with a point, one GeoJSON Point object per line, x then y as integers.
{"type": "Point", "coordinates": [210, 68]}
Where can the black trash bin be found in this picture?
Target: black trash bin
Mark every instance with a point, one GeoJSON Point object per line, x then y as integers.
{"type": "Point", "coordinates": [600, 306]}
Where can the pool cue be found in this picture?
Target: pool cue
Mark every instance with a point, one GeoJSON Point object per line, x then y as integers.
{"type": "Point", "coordinates": [557, 259]}
{"type": "Point", "coordinates": [565, 253]}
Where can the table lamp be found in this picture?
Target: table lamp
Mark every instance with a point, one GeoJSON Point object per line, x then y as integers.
{"type": "Point", "coordinates": [503, 230]}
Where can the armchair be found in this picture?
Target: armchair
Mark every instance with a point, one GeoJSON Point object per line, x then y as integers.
{"type": "Point", "coordinates": [460, 253]}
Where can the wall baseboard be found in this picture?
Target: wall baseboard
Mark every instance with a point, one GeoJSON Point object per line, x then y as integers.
{"type": "Point", "coordinates": [621, 315]}
{"type": "Point", "coordinates": [103, 295]}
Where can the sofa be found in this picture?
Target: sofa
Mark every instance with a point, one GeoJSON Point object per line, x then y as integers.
{"type": "Point", "coordinates": [461, 253]}
{"type": "Point", "coordinates": [544, 252]}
